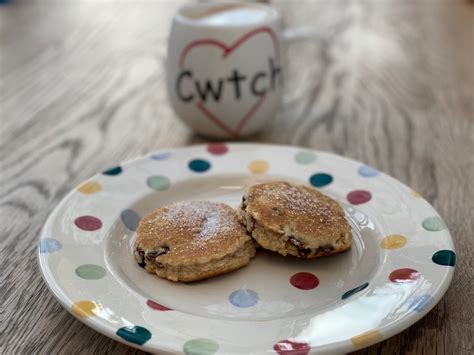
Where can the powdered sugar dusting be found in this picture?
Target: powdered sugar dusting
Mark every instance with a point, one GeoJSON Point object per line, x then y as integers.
{"type": "Point", "coordinates": [300, 201]}
{"type": "Point", "coordinates": [205, 220]}
{"type": "Point", "coordinates": [297, 209]}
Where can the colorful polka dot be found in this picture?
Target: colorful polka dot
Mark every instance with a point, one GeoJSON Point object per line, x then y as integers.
{"type": "Point", "coordinates": [421, 303]}
{"type": "Point", "coordinates": [49, 245]}
{"type": "Point", "coordinates": [404, 275]}
{"type": "Point", "coordinates": [305, 157]}
{"type": "Point", "coordinates": [161, 156]}
{"type": "Point", "coordinates": [88, 223]}
{"type": "Point", "coordinates": [393, 241]}
{"type": "Point", "coordinates": [367, 171]}
{"type": "Point", "coordinates": [415, 194]}
{"type": "Point", "coordinates": [243, 298]}
{"type": "Point", "coordinates": [304, 280]}
{"type": "Point", "coordinates": [158, 182]}
{"type": "Point", "coordinates": [134, 334]}
{"type": "Point", "coordinates": [320, 179]}
{"type": "Point", "coordinates": [366, 339]}
{"type": "Point", "coordinates": [291, 347]}
{"type": "Point", "coordinates": [200, 346]}
{"type": "Point", "coordinates": [85, 309]}
{"type": "Point", "coordinates": [444, 257]}
{"type": "Point", "coordinates": [113, 171]}
{"type": "Point", "coordinates": [358, 197]}
{"type": "Point", "coordinates": [433, 224]}
{"type": "Point", "coordinates": [157, 306]}
{"type": "Point", "coordinates": [130, 219]}
{"type": "Point", "coordinates": [89, 188]}
{"type": "Point", "coordinates": [259, 166]}
{"type": "Point", "coordinates": [217, 148]}
{"type": "Point", "coordinates": [354, 291]}
{"type": "Point", "coordinates": [90, 272]}
{"type": "Point", "coordinates": [199, 165]}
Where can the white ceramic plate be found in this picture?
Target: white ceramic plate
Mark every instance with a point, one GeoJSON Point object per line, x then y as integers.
{"type": "Point", "coordinates": [400, 265]}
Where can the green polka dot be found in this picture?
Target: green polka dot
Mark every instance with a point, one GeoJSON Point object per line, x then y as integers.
{"type": "Point", "coordinates": [200, 347]}
{"type": "Point", "coordinates": [434, 224]}
{"type": "Point", "coordinates": [320, 179]}
{"type": "Point", "coordinates": [90, 272]}
{"type": "Point", "coordinates": [444, 257]}
{"type": "Point", "coordinates": [158, 182]}
{"type": "Point", "coordinates": [305, 157]}
{"type": "Point", "coordinates": [354, 290]}
{"type": "Point", "coordinates": [134, 334]}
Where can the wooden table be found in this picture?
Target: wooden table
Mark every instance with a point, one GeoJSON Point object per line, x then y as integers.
{"type": "Point", "coordinates": [82, 88]}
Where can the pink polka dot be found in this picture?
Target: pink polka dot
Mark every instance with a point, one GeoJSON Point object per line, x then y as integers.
{"type": "Point", "coordinates": [291, 347]}
{"type": "Point", "coordinates": [304, 280]}
{"type": "Point", "coordinates": [88, 223]}
{"type": "Point", "coordinates": [217, 148]}
{"type": "Point", "coordinates": [358, 197]}
{"type": "Point", "coordinates": [404, 275]}
{"type": "Point", "coordinates": [157, 306]}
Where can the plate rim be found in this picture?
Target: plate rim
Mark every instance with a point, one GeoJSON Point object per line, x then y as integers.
{"type": "Point", "coordinates": [386, 331]}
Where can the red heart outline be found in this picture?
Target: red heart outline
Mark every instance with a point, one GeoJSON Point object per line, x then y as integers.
{"type": "Point", "coordinates": [227, 50]}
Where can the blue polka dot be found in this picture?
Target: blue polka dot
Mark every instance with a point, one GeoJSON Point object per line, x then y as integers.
{"type": "Point", "coordinates": [134, 334]}
{"type": "Point", "coordinates": [421, 303]}
{"type": "Point", "coordinates": [161, 156]}
{"type": "Point", "coordinates": [320, 179]}
{"type": "Point", "coordinates": [49, 245]}
{"type": "Point", "coordinates": [113, 171]}
{"type": "Point", "coordinates": [130, 219]}
{"type": "Point", "coordinates": [367, 171]}
{"type": "Point", "coordinates": [199, 165]}
{"type": "Point", "coordinates": [243, 298]}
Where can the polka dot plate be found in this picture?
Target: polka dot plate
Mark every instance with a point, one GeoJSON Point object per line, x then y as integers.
{"type": "Point", "coordinates": [400, 265]}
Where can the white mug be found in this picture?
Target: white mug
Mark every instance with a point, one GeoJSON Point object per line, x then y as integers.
{"type": "Point", "coordinates": [225, 67]}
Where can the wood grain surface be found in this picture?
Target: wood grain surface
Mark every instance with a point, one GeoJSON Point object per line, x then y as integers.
{"type": "Point", "coordinates": [390, 83]}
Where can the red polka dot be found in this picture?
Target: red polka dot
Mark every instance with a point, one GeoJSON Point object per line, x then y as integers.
{"type": "Point", "coordinates": [217, 148]}
{"type": "Point", "coordinates": [304, 281]}
{"type": "Point", "coordinates": [291, 347]}
{"type": "Point", "coordinates": [404, 275]}
{"type": "Point", "coordinates": [88, 223]}
{"type": "Point", "coordinates": [358, 197]}
{"type": "Point", "coordinates": [157, 306]}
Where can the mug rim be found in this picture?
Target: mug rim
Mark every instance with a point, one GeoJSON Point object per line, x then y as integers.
{"type": "Point", "coordinates": [274, 15]}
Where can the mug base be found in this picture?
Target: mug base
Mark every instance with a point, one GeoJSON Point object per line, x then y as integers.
{"type": "Point", "coordinates": [225, 136]}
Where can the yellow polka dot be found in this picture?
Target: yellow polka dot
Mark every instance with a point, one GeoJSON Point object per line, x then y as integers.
{"type": "Point", "coordinates": [394, 241]}
{"type": "Point", "coordinates": [89, 188]}
{"type": "Point", "coordinates": [415, 194]}
{"type": "Point", "coordinates": [86, 309]}
{"type": "Point", "coordinates": [366, 339]}
{"type": "Point", "coordinates": [259, 166]}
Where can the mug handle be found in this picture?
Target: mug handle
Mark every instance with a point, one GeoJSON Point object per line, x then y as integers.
{"type": "Point", "coordinates": [302, 33]}
{"type": "Point", "coordinates": [299, 34]}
